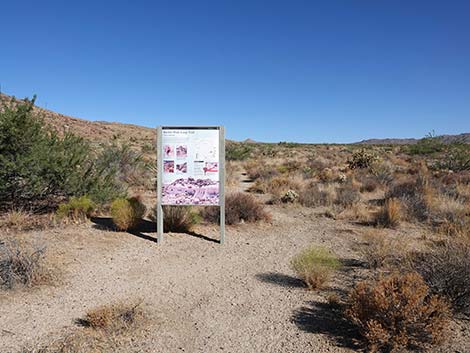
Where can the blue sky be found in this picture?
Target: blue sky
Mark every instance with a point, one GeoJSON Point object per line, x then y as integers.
{"type": "Point", "coordinates": [305, 71]}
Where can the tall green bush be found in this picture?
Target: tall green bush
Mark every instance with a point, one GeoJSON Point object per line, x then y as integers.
{"type": "Point", "coordinates": [39, 168]}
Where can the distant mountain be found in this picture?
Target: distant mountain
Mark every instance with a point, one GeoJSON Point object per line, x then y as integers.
{"type": "Point", "coordinates": [465, 137]}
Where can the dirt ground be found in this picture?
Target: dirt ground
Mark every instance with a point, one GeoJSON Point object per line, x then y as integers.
{"type": "Point", "coordinates": [204, 297]}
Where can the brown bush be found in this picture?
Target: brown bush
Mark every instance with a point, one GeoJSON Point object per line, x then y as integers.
{"type": "Point", "coordinates": [397, 312]}
{"type": "Point", "coordinates": [347, 196]}
{"type": "Point", "coordinates": [369, 185]}
{"type": "Point", "coordinates": [390, 215]}
{"type": "Point", "coordinates": [446, 269]}
{"type": "Point", "coordinates": [317, 195]}
{"type": "Point", "coordinates": [239, 207]}
{"type": "Point", "coordinates": [22, 265]}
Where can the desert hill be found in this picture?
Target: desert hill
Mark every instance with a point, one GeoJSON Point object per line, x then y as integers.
{"type": "Point", "coordinates": [465, 138]}
{"type": "Point", "coordinates": [94, 131]}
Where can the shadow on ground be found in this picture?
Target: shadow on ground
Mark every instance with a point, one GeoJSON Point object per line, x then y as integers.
{"type": "Point", "coordinates": [323, 318]}
{"type": "Point", "coordinates": [145, 226]}
{"type": "Point", "coordinates": [281, 280]}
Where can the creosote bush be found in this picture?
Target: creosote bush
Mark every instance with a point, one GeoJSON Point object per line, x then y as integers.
{"type": "Point", "coordinates": [315, 265]}
{"type": "Point", "coordinates": [127, 213]}
{"type": "Point", "coordinates": [76, 209]}
{"type": "Point", "coordinates": [21, 265]}
{"type": "Point", "coordinates": [39, 167]}
{"type": "Point", "coordinates": [398, 312]}
{"type": "Point", "coordinates": [239, 207]}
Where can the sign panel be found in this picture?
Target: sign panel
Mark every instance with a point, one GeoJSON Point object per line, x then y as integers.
{"type": "Point", "coordinates": [190, 166]}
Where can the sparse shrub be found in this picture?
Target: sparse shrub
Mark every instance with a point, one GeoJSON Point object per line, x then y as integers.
{"type": "Point", "coordinates": [21, 265]}
{"type": "Point", "coordinates": [239, 207]}
{"type": "Point", "coordinates": [362, 159]}
{"type": "Point", "coordinates": [178, 219]}
{"type": "Point", "coordinates": [398, 312]}
{"type": "Point", "coordinates": [259, 170]}
{"type": "Point", "coordinates": [238, 151]}
{"type": "Point", "coordinates": [446, 269]}
{"type": "Point", "coordinates": [390, 214]}
{"type": "Point", "coordinates": [127, 213]}
{"type": "Point", "coordinates": [317, 195]}
{"type": "Point", "coordinates": [77, 209]}
{"type": "Point", "coordinates": [315, 265]}
{"type": "Point", "coordinates": [347, 196]}
{"type": "Point", "coordinates": [381, 250]}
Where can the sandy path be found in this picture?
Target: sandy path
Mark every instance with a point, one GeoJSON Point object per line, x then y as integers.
{"type": "Point", "coordinates": [239, 297]}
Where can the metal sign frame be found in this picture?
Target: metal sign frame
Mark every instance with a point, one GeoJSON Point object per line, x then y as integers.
{"type": "Point", "coordinates": [221, 206]}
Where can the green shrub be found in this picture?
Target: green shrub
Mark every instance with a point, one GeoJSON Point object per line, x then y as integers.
{"type": "Point", "coordinates": [127, 213]}
{"type": "Point", "coordinates": [39, 168]}
{"type": "Point", "coordinates": [397, 312]}
{"type": "Point", "coordinates": [315, 265]}
{"type": "Point", "coordinates": [76, 209]}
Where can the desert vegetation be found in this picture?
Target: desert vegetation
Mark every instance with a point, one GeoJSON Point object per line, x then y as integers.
{"type": "Point", "coordinates": [366, 228]}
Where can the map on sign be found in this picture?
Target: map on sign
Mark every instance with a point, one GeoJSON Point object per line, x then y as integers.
{"type": "Point", "coordinates": [190, 166]}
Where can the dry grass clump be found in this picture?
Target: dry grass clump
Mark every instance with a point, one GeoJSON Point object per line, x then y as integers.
{"type": "Point", "coordinates": [239, 207]}
{"type": "Point", "coordinates": [76, 209]}
{"type": "Point", "coordinates": [177, 219]}
{"type": "Point", "coordinates": [315, 266]}
{"type": "Point", "coordinates": [397, 312]}
{"type": "Point", "coordinates": [390, 214]}
{"type": "Point", "coordinates": [446, 269]}
{"type": "Point", "coordinates": [127, 213]}
{"type": "Point", "coordinates": [114, 318]}
{"type": "Point", "coordinates": [380, 250]}
{"type": "Point", "coordinates": [15, 219]}
{"type": "Point", "coordinates": [22, 265]}
{"type": "Point", "coordinates": [110, 328]}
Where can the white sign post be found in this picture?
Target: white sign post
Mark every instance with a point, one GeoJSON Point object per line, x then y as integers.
{"type": "Point", "coordinates": [191, 170]}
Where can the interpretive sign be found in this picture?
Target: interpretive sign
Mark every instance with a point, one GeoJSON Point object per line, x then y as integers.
{"type": "Point", "coordinates": [190, 167]}
{"type": "Point", "coordinates": [191, 164]}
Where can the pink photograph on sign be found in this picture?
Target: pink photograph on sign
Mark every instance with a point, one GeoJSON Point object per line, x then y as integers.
{"type": "Point", "coordinates": [181, 151]}
{"type": "Point", "coordinates": [211, 167]}
{"type": "Point", "coordinates": [182, 167]}
{"type": "Point", "coordinates": [168, 166]}
{"type": "Point", "coordinates": [189, 191]}
{"type": "Point", "coordinates": [168, 151]}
